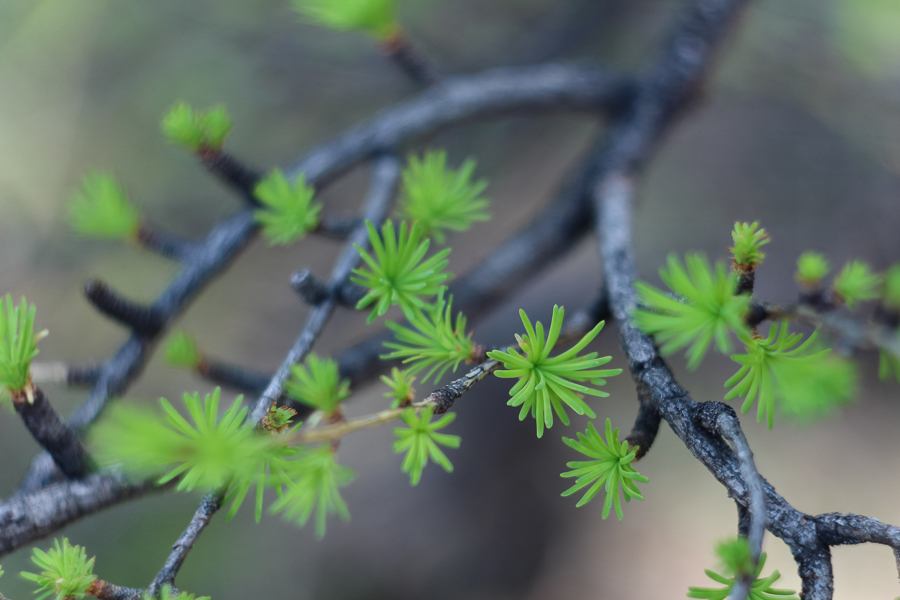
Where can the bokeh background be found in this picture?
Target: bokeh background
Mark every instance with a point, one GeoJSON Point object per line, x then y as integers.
{"type": "Point", "coordinates": [800, 130]}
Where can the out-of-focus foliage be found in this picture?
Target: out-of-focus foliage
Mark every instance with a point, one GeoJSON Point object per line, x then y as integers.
{"type": "Point", "coordinates": [421, 440]}
{"type": "Point", "coordinates": [288, 211]}
{"type": "Point", "coordinates": [101, 209]}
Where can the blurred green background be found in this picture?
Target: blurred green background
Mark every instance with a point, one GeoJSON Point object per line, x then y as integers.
{"type": "Point", "coordinates": [800, 130]}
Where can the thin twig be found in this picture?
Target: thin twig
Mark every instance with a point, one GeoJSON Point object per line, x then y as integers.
{"type": "Point", "coordinates": [411, 60]}
{"type": "Point", "coordinates": [210, 503]}
{"type": "Point", "coordinates": [385, 178]}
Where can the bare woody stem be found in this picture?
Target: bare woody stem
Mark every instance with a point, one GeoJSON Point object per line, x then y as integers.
{"type": "Point", "coordinates": [52, 433]}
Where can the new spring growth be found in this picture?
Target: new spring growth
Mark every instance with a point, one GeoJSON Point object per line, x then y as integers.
{"type": "Point", "coordinates": [856, 283]}
{"type": "Point", "coordinates": [434, 340]}
{"type": "Point", "coordinates": [420, 441]}
{"type": "Point", "coordinates": [182, 351]}
{"type": "Point", "coordinates": [545, 382]}
{"type": "Point", "coordinates": [18, 346]}
{"type": "Point", "coordinates": [761, 589]}
{"type": "Point", "coordinates": [65, 571]}
{"type": "Point", "coordinates": [703, 310]}
{"type": "Point", "coordinates": [197, 130]}
{"type": "Point", "coordinates": [441, 199]}
{"type": "Point", "coordinates": [748, 239]}
{"type": "Point", "coordinates": [401, 390]}
{"type": "Point", "coordinates": [609, 468]}
{"type": "Point", "coordinates": [288, 212]}
{"type": "Point", "coordinates": [101, 209]}
{"type": "Point", "coordinates": [780, 366]}
{"type": "Point", "coordinates": [812, 268]}
{"type": "Point", "coordinates": [167, 593]}
{"type": "Point", "coordinates": [399, 272]}
{"type": "Point", "coordinates": [376, 18]}
{"type": "Point", "coordinates": [317, 383]}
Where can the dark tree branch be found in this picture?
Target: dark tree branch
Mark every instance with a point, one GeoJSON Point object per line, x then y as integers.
{"type": "Point", "coordinates": [104, 590]}
{"type": "Point", "coordinates": [411, 60]}
{"type": "Point", "coordinates": [232, 171]}
{"type": "Point", "coordinates": [211, 503]}
{"type": "Point", "coordinates": [721, 419]}
{"type": "Point", "coordinates": [311, 289]}
{"type": "Point", "coordinates": [495, 92]}
{"type": "Point", "coordinates": [143, 320]}
{"type": "Point", "coordinates": [443, 398]}
{"type": "Point", "coordinates": [26, 517]}
{"type": "Point", "coordinates": [164, 243]}
{"type": "Point", "coordinates": [52, 433]}
{"type": "Point", "coordinates": [336, 227]}
{"type": "Point", "coordinates": [243, 380]}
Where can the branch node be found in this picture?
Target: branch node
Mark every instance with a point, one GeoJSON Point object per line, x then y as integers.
{"type": "Point", "coordinates": [312, 289]}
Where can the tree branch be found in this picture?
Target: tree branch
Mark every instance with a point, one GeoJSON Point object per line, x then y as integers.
{"type": "Point", "coordinates": [52, 433]}
{"type": "Point", "coordinates": [26, 517]}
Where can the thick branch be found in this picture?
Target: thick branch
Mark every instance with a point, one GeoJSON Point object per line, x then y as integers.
{"type": "Point", "coordinates": [52, 433]}
{"type": "Point", "coordinates": [143, 320]}
{"type": "Point", "coordinates": [232, 171]}
{"type": "Point", "coordinates": [25, 518]}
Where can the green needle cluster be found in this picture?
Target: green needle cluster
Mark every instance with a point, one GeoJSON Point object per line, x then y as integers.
{"type": "Point", "coordinates": [888, 366]}
{"type": "Point", "coordinates": [66, 573]}
{"type": "Point", "coordinates": [748, 238]}
{"type": "Point", "coordinates": [780, 363]}
{"type": "Point", "coordinates": [420, 441]}
{"type": "Point", "coordinates": [377, 18]}
{"type": "Point", "coordinates": [441, 199]}
{"type": "Point", "coordinates": [401, 387]}
{"type": "Point", "coordinates": [434, 340]}
{"type": "Point", "coordinates": [182, 351]}
{"type": "Point", "coordinates": [197, 130]}
{"type": "Point", "coordinates": [311, 485]}
{"type": "Point", "coordinates": [890, 294]}
{"type": "Point", "coordinates": [204, 451]}
{"type": "Point", "coordinates": [857, 283]}
{"type": "Point", "coordinates": [288, 211]}
{"type": "Point", "coordinates": [399, 272]}
{"type": "Point", "coordinates": [18, 343]}
{"type": "Point", "coordinates": [703, 310]}
{"type": "Point", "coordinates": [101, 209]}
{"type": "Point", "coordinates": [812, 268]}
{"type": "Point", "coordinates": [609, 469]}
{"type": "Point", "coordinates": [546, 383]}
{"type": "Point", "coordinates": [761, 589]}
{"type": "Point", "coordinates": [317, 383]}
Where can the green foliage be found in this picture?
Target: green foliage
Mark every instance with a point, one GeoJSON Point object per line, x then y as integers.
{"type": "Point", "coordinates": [18, 343]}
{"type": "Point", "coordinates": [197, 130]}
{"type": "Point", "coordinates": [101, 209]}
{"type": "Point", "coordinates": [735, 555]}
{"type": "Point", "coordinates": [208, 452]}
{"type": "Point", "coordinates": [812, 268]}
{"type": "Point", "coordinates": [421, 440]}
{"type": "Point", "coordinates": [182, 351]}
{"type": "Point", "coordinates": [706, 308]}
{"type": "Point", "coordinates": [397, 274]}
{"type": "Point", "coordinates": [610, 468]}
{"type": "Point", "coordinates": [760, 590]}
{"type": "Point", "coordinates": [66, 572]}
{"type": "Point", "coordinates": [748, 239]}
{"type": "Point", "coordinates": [278, 418]}
{"type": "Point", "coordinates": [857, 283]}
{"type": "Point", "coordinates": [807, 382]}
{"type": "Point", "coordinates": [288, 211]}
{"type": "Point", "coordinates": [890, 294]}
{"type": "Point", "coordinates": [311, 484]}
{"type": "Point", "coordinates": [166, 593]}
{"type": "Point", "coordinates": [888, 365]}
{"type": "Point", "coordinates": [377, 18]}
{"type": "Point", "coordinates": [438, 198]}
{"type": "Point", "coordinates": [317, 383]}
{"type": "Point", "coordinates": [401, 384]}
{"type": "Point", "coordinates": [436, 341]}
{"type": "Point", "coordinates": [546, 382]}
